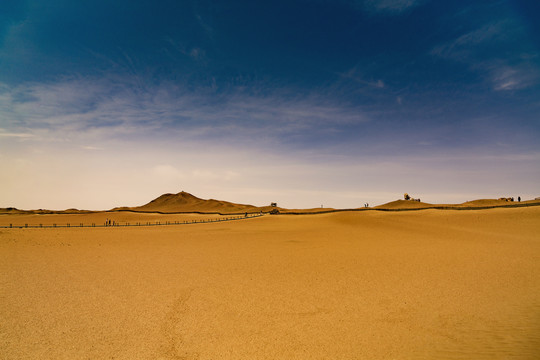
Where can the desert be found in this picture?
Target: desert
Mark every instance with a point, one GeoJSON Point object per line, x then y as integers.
{"type": "Point", "coordinates": [280, 180]}
{"type": "Point", "coordinates": [372, 284]}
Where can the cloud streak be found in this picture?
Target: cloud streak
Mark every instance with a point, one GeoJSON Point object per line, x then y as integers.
{"type": "Point", "coordinates": [514, 68]}
{"type": "Point", "coordinates": [4, 133]}
{"type": "Point", "coordinates": [391, 6]}
{"type": "Point", "coordinates": [102, 108]}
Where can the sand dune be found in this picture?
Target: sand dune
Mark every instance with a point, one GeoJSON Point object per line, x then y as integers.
{"type": "Point", "coordinates": [14, 211]}
{"type": "Point", "coordinates": [475, 204]}
{"type": "Point", "coordinates": [185, 202]}
{"type": "Point", "coordinates": [485, 202]}
{"type": "Point", "coordinates": [429, 284]}
{"type": "Point", "coordinates": [404, 204]}
{"type": "Point", "coordinates": [496, 202]}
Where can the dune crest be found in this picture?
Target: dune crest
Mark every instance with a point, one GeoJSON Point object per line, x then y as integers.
{"type": "Point", "coordinates": [488, 202]}
{"type": "Point", "coordinates": [404, 204]}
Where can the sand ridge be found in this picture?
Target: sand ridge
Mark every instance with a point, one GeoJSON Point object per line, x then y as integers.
{"type": "Point", "coordinates": [404, 204]}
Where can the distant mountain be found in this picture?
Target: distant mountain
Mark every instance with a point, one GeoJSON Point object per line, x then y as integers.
{"type": "Point", "coordinates": [185, 202]}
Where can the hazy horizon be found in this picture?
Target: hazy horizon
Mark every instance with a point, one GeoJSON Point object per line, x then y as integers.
{"type": "Point", "coordinates": [268, 203]}
{"type": "Point", "coordinates": [304, 103]}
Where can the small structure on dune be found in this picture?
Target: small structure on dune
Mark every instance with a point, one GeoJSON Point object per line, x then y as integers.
{"type": "Point", "coordinates": [407, 197]}
{"type": "Point", "coordinates": [273, 204]}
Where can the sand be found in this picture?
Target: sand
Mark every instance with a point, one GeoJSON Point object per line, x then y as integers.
{"type": "Point", "coordinates": [428, 284]}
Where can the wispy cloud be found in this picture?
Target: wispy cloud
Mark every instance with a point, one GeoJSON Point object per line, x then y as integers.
{"type": "Point", "coordinates": [101, 108]}
{"type": "Point", "coordinates": [168, 172]}
{"type": "Point", "coordinates": [391, 6]}
{"type": "Point", "coordinates": [466, 46]}
{"type": "Point", "coordinates": [492, 50]}
{"type": "Point", "coordinates": [355, 75]}
{"type": "Point", "coordinates": [4, 133]}
{"type": "Point", "coordinates": [91, 148]}
{"type": "Point", "coordinates": [505, 77]}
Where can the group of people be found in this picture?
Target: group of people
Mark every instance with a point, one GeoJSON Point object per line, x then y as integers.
{"type": "Point", "coordinates": [110, 222]}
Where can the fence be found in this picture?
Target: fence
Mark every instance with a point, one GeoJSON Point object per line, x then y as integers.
{"type": "Point", "coordinates": [126, 224]}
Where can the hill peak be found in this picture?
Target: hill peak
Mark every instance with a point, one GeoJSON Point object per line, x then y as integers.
{"type": "Point", "coordinates": [186, 202]}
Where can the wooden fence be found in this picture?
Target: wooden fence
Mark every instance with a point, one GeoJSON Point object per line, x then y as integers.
{"type": "Point", "coordinates": [126, 224]}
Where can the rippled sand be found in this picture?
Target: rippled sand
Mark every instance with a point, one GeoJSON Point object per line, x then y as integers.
{"type": "Point", "coordinates": [430, 284]}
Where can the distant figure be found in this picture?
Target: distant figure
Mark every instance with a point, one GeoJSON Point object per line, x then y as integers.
{"type": "Point", "coordinates": [519, 198]}
{"type": "Point", "coordinates": [245, 215]}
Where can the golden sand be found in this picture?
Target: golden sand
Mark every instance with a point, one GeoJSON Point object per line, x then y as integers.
{"type": "Point", "coordinates": [428, 284]}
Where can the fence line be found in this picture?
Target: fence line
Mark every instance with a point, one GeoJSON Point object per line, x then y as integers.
{"type": "Point", "coordinates": [129, 224]}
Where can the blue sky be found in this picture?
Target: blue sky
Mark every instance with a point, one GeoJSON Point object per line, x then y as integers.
{"type": "Point", "coordinates": [303, 102]}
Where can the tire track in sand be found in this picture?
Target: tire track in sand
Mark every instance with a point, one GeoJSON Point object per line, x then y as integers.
{"type": "Point", "coordinates": [172, 347]}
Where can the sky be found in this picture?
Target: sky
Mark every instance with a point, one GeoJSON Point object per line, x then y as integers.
{"type": "Point", "coordinates": [306, 103]}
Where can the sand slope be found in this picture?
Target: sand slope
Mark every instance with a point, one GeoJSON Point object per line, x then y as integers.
{"type": "Point", "coordinates": [430, 284]}
{"type": "Point", "coordinates": [404, 204]}
{"type": "Point", "coordinates": [474, 204]}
